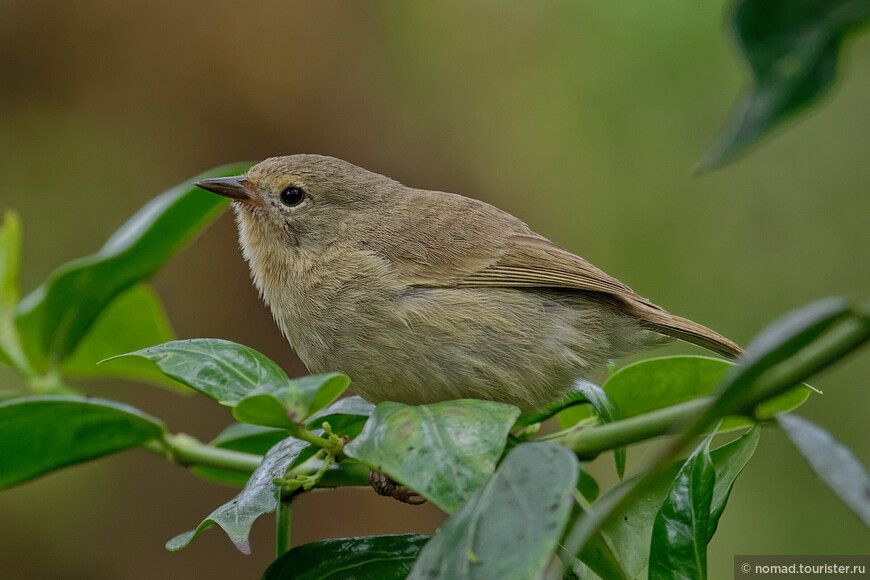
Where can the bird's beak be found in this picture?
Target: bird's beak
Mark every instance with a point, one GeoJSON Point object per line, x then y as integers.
{"type": "Point", "coordinates": [237, 188]}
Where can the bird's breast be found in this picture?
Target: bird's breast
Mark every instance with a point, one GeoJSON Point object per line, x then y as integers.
{"type": "Point", "coordinates": [323, 299]}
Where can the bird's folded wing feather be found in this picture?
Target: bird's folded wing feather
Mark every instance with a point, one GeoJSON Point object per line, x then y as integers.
{"type": "Point", "coordinates": [480, 254]}
{"type": "Point", "coordinates": [533, 261]}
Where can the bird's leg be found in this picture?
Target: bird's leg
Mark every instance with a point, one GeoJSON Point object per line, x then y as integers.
{"type": "Point", "coordinates": [385, 486]}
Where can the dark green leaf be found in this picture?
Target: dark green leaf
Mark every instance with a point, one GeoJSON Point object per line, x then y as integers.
{"type": "Point", "coordinates": [510, 527]}
{"type": "Point", "coordinates": [794, 330]}
{"type": "Point", "coordinates": [133, 320]}
{"type": "Point", "coordinates": [318, 391]}
{"type": "Point", "coordinates": [39, 434]}
{"type": "Point", "coordinates": [289, 405]}
{"type": "Point", "coordinates": [778, 342]}
{"type": "Point", "coordinates": [356, 406]}
{"type": "Point", "coordinates": [240, 437]}
{"type": "Point", "coordinates": [223, 370]}
{"type": "Point", "coordinates": [628, 531]}
{"type": "Point", "coordinates": [367, 558]}
{"type": "Point", "coordinates": [792, 48]}
{"type": "Point", "coordinates": [609, 412]}
{"type": "Point", "coordinates": [606, 564]}
{"type": "Point", "coordinates": [54, 317]}
{"type": "Point", "coordinates": [571, 416]}
{"type": "Point", "coordinates": [587, 486]}
{"type": "Point", "coordinates": [10, 261]}
{"type": "Point", "coordinates": [443, 451]}
{"type": "Point", "coordinates": [823, 333]}
{"type": "Point", "coordinates": [264, 409]}
{"type": "Point", "coordinates": [346, 416]}
{"type": "Point", "coordinates": [833, 462]}
{"type": "Point", "coordinates": [660, 382]}
{"type": "Point", "coordinates": [259, 496]}
{"type": "Point", "coordinates": [248, 438]}
{"type": "Point", "coordinates": [729, 461]}
{"type": "Point", "coordinates": [572, 398]}
{"type": "Point", "coordinates": [681, 527]}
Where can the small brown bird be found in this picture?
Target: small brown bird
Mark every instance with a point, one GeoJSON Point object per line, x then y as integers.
{"type": "Point", "coordinates": [423, 296]}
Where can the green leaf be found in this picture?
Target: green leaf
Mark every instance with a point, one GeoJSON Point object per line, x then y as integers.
{"type": "Point", "coordinates": [729, 461]}
{"type": "Point", "coordinates": [259, 496]}
{"type": "Point", "coordinates": [792, 48]}
{"type": "Point", "coordinates": [40, 434]}
{"type": "Point", "coordinates": [822, 332]}
{"type": "Point", "coordinates": [367, 558]}
{"type": "Point", "coordinates": [223, 370]}
{"type": "Point", "coordinates": [572, 398]}
{"type": "Point", "coordinates": [571, 416]}
{"type": "Point", "coordinates": [778, 342]}
{"type": "Point", "coordinates": [53, 318]}
{"type": "Point", "coordinates": [133, 320]}
{"type": "Point", "coordinates": [10, 261]}
{"type": "Point", "coordinates": [349, 406]}
{"type": "Point", "coordinates": [606, 564]}
{"type": "Point", "coordinates": [833, 462]}
{"type": "Point", "coordinates": [657, 383]}
{"type": "Point", "coordinates": [587, 485]}
{"type": "Point", "coordinates": [509, 528]}
{"type": "Point", "coordinates": [289, 405]}
{"type": "Point", "coordinates": [681, 528]}
{"type": "Point", "coordinates": [319, 391]}
{"type": "Point", "coordinates": [443, 451]}
{"type": "Point", "coordinates": [792, 332]}
{"type": "Point", "coordinates": [263, 409]}
{"type": "Point", "coordinates": [609, 411]}
{"type": "Point", "coordinates": [248, 438]}
{"type": "Point", "coordinates": [660, 382]}
{"type": "Point", "coordinates": [240, 437]}
{"type": "Point", "coordinates": [628, 531]}
{"type": "Point", "coordinates": [346, 416]}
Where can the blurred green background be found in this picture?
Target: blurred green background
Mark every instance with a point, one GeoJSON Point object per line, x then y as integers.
{"type": "Point", "coordinates": [584, 119]}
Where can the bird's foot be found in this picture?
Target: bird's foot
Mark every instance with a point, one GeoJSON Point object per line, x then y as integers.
{"type": "Point", "coordinates": [385, 486]}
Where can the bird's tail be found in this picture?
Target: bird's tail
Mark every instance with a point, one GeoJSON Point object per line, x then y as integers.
{"type": "Point", "coordinates": [665, 323]}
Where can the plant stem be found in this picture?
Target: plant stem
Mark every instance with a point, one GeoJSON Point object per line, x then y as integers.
{"type": "Point", "coordinates": [332, 445]}
{"type": "Point", "coordinates": [307, 435]}
{"type": "Point", "coordinates": [186, 450]}
{"type": "Point", "coordinates": [843, 339]}
{"type": "Point", "coordinates": [589, 442]}
{"type": "Point", "coordinates": [50, 383]}
{"type": "Point", "coordinates": [283, 521]}
{"type": "Point", "coordinates": [838, 342]}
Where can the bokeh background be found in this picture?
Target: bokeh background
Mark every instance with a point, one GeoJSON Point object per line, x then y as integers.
{"type": "Point", "coordinates": [583, 118]}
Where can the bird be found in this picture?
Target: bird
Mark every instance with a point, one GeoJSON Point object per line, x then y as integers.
{"type": "Point", "coordinates": [425, 296]}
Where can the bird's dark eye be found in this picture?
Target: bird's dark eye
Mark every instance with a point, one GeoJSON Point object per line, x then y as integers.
{"type": "Point", "coordinates": [292, 196]}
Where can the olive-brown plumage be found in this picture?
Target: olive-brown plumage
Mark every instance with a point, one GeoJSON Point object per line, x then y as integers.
{"type": "Point", "coordinates": [422, 296]}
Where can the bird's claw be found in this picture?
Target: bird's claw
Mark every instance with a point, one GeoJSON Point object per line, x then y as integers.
{"type": "Point", "coordinates": [385, 486]}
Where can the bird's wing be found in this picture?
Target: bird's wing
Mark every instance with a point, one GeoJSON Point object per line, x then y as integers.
{"type": "Point", "coordinates": [533, 261]}
{"type": "Point", "coordinates": [471, 250]}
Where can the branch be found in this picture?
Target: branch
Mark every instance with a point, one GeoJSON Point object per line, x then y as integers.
{"type": "Point", "coordinates": [188, 451]}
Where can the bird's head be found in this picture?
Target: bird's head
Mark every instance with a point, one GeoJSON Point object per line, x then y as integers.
{"type": "Point", "coordinates": [300, 202]}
